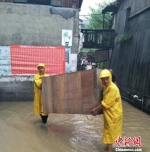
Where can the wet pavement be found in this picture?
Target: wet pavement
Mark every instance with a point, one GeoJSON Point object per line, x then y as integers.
{"type": "Point", "coordinates": [21, 131]}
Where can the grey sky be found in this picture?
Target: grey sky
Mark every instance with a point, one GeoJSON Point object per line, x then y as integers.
{"type": "Point", "coordinates": [91, 3]}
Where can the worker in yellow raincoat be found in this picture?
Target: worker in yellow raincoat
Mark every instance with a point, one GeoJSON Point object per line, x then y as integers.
{"type": "Point", "coordinates": [38, 105]}
{"type": "Point", "coordinates": [112, 110]}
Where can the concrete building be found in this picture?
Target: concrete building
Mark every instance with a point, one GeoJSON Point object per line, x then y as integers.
{"type": "Point", "coordinates": [29, 24]}
{"type": "Point", "coordinates": [37, 23]}
{"type": "Point", "coordinates": [130, 59]}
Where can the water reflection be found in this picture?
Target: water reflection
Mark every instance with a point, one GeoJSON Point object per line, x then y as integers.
{"type": "Point", "coordinates": [21, 131]}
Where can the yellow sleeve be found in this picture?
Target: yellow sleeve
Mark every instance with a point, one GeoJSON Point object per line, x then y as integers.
{"type": "Point", "coordinates": [37, 81]}
{"type": "Point", "coordinates": [109, 98]}
{"type": "Point", "coordinates": [46, 75]}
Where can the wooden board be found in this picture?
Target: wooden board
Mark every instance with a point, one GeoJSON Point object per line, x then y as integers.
{"type": "Point", "coordinates": [73, 93]}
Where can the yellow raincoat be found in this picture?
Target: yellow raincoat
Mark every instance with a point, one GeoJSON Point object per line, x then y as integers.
{"type": "Point", "coordinates": [112, 111]}
{"type": "Point", "coordinates": [38, 105]}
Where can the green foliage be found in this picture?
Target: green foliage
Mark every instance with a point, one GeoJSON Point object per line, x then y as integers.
{"type": "Point", "coordinates": [123, 38]}
{"type": "Point", "coordinates": [102, 65]}
{"type": "Point", "coordinates": [96, 17]}
{"type": "Point", "coordinates": [87, 50]}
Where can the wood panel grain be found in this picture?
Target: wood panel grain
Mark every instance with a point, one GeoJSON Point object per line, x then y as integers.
{"type": "Point", "coordinates": [74, 93]}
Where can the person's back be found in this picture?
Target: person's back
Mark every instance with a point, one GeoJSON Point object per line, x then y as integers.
{"type": "Point", "coordinates": [113, 76]}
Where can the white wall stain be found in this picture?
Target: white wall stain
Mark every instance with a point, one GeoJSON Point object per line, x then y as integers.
{"type": "Point", "coordinates": [17, 78]}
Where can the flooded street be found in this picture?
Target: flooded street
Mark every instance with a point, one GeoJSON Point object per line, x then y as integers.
{"type": "Point", "coordinates": [21, 131]}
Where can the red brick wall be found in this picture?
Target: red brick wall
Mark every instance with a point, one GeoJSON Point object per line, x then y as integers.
{"type": "Point", "coordinates": [66, 3]}
{"type": "Point", "coordinates": [71, 3]}
{"type": "Point", "coordinates": [6, 0]}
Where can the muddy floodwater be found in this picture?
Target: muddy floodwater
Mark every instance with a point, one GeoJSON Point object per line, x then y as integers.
{"type": "Point", "coordinates": [21, 131]}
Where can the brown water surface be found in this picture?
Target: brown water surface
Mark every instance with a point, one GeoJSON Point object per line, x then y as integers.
{"type": "Point", "coordinates": [21, 131]}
